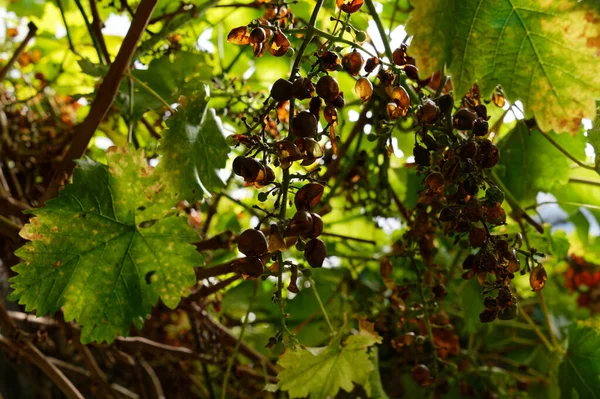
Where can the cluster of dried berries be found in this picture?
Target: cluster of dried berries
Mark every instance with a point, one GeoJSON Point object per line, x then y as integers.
{"type": "Point", "coordinates": [253, 244]}
{"type": "Point", "coordinates": [261, 38]}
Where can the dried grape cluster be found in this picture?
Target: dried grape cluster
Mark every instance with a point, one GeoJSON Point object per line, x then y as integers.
{"type": "Point", "coordinates": [460, 195]}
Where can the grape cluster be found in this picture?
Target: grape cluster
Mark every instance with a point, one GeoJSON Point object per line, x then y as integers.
{"type": "Point", "coordinates": [456, 157]}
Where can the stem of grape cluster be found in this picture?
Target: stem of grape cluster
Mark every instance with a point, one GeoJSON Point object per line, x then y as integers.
{"type": "Point", "coordinates": [314, 288]}
{"type": "Point", "coordinates": [237, 344]}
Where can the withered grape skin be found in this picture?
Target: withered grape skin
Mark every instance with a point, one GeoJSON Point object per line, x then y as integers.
{"type": "Point", "coordinates": [327, 88]}
{"type": "Point", "coordinates": [282, 90]}
{"type": "Point", "coordinates": [305, 125]}
{"type": "Point", "coordinates": [252, 243]}
{"type": "Point", "coordinates": [315, 253]}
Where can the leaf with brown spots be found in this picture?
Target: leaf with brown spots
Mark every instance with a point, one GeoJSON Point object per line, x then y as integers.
{"type": "Point", "coordinates": [544, 53]}
{"type": "Point", "coordinates": [92, 247]}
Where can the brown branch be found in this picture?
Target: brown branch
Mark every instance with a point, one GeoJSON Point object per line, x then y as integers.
{"type": "Point", "coordinates": [584, 181]}
{"type": "Point", "coordinates": [158, 392]}
{"type": "Point", "coordinates": [244, 349]}
{"type": "Point", "coordinates": [145, 345]}
{"type": "Point", "coordinates": [220, 241]}
{"type": "Point", "coordinates": [105, 97]}
{"type": "Point", "coordinates": [76, 370]}
{"type": "Point", "coordinates": [209, 290]}
{"type": "Point", "coordinates": [9, 229]}
{"type": "Point", "coordinates": [403, 211]}
{"type": "Point", "coordinates": [21, 345]}
{"type": "Point", "coordinates": [89, 361]}
{"type": "Point", "coordinates": [150, 128]}
{"type": "Point", "coordinates": [32, 31]}
{"type": "Point", "coordinates": [96, 26]}
{"type": "Point", "coordinates": [348, 238]}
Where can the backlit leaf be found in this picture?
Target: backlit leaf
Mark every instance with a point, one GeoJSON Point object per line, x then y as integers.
{"type": "Point", "coordinates": [192, 150]}
{"type": "Point", "coordinates": [106, 249]}
{"type": "Point", "coordinates": [542, 53]}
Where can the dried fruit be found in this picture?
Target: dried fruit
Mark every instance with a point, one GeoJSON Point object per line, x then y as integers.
{"type": "Point", "coordinates": [363, 89]}
{"type": "Point", "coordinates": [329, 61]}
{"type": "Point", "coordinates": [353, 62]}
{"type": "Point", "coordinates": [250, 267]}
{"type": "Point", "coordinates": [480, 127]}
{"type": "Point", "coordinates": [420, 373]}
{"type": "Point", "coordinates": [239, 35]}
{"type": "Point", "coordinates": [300, 225]}
{"type": "Point", "coordinates": [537, 278]}
{"type": "Point", "coordinates": [308, 196]}
{"type": "Point", "coordinates": [304, 125]}
{"type": "Point", "coordinates": [257, 35]}
{"type": "Point", "coordinates": [282, 90]}
{"type": "Point", "coordinates": [427, 112]}
{"type": "Point", "coordinates": [252, 243]}
{"type": "Point", "coordinates": [315, 252]}
{"type": "Point", "coordinates": [303, 88]}
{"type": "Point", "coordinates": [279, 44]}
{"type": "Point", "coordinates": [349, 6]}
{"type": "Point", "coordinates": [463, 119]}
{"type": "Point", "coordinates": [371, 64]}
{"type": "Point", "coordinates": [328, 88]}
{"type": "Point", "coordinates": [401, 97]}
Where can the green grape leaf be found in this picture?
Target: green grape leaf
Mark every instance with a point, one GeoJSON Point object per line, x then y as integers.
{"type": "Point", "coordinates": [192, 149]}
{"type": "Point", "coordinates": [106, 249]}
{"type": "Point", "coordinates": [580, 369]}
{"type": "Point", "coordinates": [321, 372]}
{"type": "Point", "coordinates": [374, 388]}
{"type": "Point", "coordinates": [542, 53]}
{"type": "Point", "coordinates": [529, 163]}
{"type": "Point", "coordinates": [166, 77]}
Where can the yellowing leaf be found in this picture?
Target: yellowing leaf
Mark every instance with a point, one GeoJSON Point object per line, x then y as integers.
{"type": "Point", "coordinates": [106, 249]}
{"type": "Point", "coordinates": [321, 372]}
{"type": "Point", "coordinates": [542, 53]}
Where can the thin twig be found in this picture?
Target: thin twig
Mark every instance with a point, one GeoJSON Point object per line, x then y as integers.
{"type": "Point", "coordinates": [104, 99]}
{"type": "Point", "coordinates": [32, 31]}
{"type": "Point", "coordinates": [71, 368]}
{"type": "Point", "coordinates": [349, 238]}
{"type": "Point", "coordinates": [241, 337]}
{"type": "Point", "coordinates": [157, 388]}
{"type": "Point", "coordinates": [96, 26]}
{"type": "Point", "coordinates": [579, 180]}
{"type": "Point", "coordinates": [28, 350]}
{"type": "Point", "coordinates": [314, 288]}
{"type": "Point", "coordinates": [565, 152]}
{"type": "Point", "coordinates": [518, 211]}
{"type": "Point", "coordinates": [537, 331]}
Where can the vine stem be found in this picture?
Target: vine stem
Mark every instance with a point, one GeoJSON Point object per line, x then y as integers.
{"type": "Point", "coordinates": [237, 344]}
{"type": "Point", "coordinates": [427, 321]}
{"type": "Point", "coordinates": [514, 204]}
{"type": "Point", "coordinates": [548, 324]}
{"type": "Point", "coordinates": [285, 181]}
{"type": "Point", "coordinates": [30, 35]}
{"type": "Point", "coordinates": [106, 95]}
{"type": "Point", "coordinates": [380, 28]}
{"type": "Point", "coordinates": [538, 332]}
{"type": "Point", "coordinates": [314, 288]}
{"type": "Point", "coordinates": [565, 152]}
{"type": "Point", "coordinates": [151, 91]}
